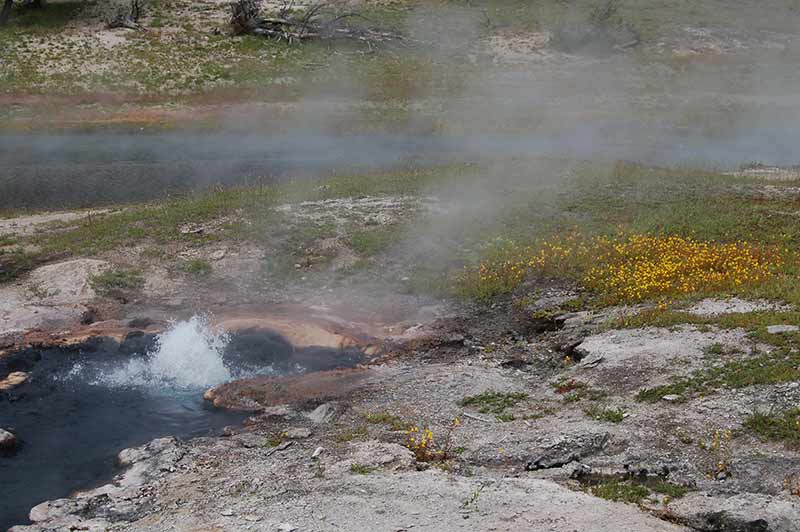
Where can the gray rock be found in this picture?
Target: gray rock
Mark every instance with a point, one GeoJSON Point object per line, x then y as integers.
{"type": "Point", "coordinates": [248, 440]}
{"type": "Point", "coordinates": [7, 440]}
{"type": "Point", "coordinates": [743, 512]}
{"type": "Point", "coordinates": [778, 329]}
{"type": "Point", "coordinates": [568, 451]}
{"type": "Point", "coordinates": [298, 433]}
{"type": "Point", "coordinates": [286, 527]}
{"type": "Point", "coordinates": [323, 413]}
{"type": "Point", "coordinates": [591, 361]}
{"type": "Point", "coordinates": [671, 397]}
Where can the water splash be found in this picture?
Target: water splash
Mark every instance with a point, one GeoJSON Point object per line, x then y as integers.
{"type": "Point", "coordinates": [187, 355]}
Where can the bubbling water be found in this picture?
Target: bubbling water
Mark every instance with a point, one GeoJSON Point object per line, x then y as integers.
{"type": "Point", "coordinates": [189, 354]}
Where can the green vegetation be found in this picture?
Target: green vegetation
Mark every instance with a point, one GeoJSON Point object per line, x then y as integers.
{"type": "Point", "coordinates": [781, 365]}
{"type": "Point", "coordinates": [374, 241]}
{"type": "Point", "coordinates": [573, 391]}
{"type": "Point", "coordinates": [361, 469]}
{"type": "Point", "coordinates": [392, 421]}
{"type": "Point", "coordinates": [674, 491]}
{"type": "Point", "coordinates": [357, 433]}
{"type": "Point", "coordinates": [117, 280]}
{"type": "Point", "coordinates": [781, 426]}
{"type": "Point", "coordinates": [612, 415]}
{"type": "Point", "coordinates": [277, 438]}
{"type": "Point", "coordinates": [492, 402]}
{"type": "Point", "coordinates": [620, 491]}
{"type": "Point", "coordinates": [198, 267]}
{"type": "Point", "coordinates": [631, 489]}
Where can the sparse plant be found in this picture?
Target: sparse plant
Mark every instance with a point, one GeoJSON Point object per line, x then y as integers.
{"type": "Point", "coordinates": [471, 502]}
{"type": "Point", "coordinates": [792, 484]}
{"type": "Point", "coordinates": [197, 267]}
{"type": "Point", "coordinates": [599, 413]}
{"type": "Point", "coordinates": [424, 446]}
{"type": "Point", "coordinates": [781, 426]}
{"type": "Point", "coordinates": [492, 402]}
{"type": "Point", "coordinates": [277, 438]}
{"type": "Point", "coordinates": [38, 291]}
{"type": "Point", "coordinates": [116, 280]}
{"type": "Point", "coordinates": [779, 365]}
{"type": "Point", "coordinates": [361, 469]}
{"type": "Point", "coordinates": [357, 433]}
{"type": "Point", "coordinates": [720, 449]}
{"type": "Point", "coordinates": [392, 421]}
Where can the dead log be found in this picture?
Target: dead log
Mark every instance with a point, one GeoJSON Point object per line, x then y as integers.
{"type": "Point", "coordinates": [317, 22]}
{"type": "Point", "coordinates": [128, 19]}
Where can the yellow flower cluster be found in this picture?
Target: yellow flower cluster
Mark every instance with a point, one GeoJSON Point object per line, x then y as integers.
{"type": "Point", "coordinates": [425, 449]}
{"type": "Point", "coordinates": [421, 443]}
{"type": "Point", "coordinates": [628, 268]}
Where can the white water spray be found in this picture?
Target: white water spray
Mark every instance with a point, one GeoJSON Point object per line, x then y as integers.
{"type": "Point", "coordinates": [187, 355]}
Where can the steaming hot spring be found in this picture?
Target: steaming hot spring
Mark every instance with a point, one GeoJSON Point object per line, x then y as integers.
{"type": "Point", "coordinates": [87, 396]}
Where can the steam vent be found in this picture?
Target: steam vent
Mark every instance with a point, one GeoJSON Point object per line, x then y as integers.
{"type": "Point", "coordinates": [408, 265]}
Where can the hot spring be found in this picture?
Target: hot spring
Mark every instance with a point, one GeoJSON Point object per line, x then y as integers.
{"type": "Point", "coordinates": [82, 404]}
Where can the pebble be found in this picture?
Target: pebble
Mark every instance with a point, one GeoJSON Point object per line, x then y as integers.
{"type": "Point", "coordinates": [671, 397]}
{"type": "Point", "coordinates": [227, 512]}
{"type": "Point", "coordinates": [317, 452]}
{"type": "Point", "coordinates": [7, 440]}
{"type": "Point", "coordinates": [286, 527]}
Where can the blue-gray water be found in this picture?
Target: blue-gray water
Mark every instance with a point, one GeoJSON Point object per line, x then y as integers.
{"type": "Point", "coordinates": [84, 404]}
{"type": "Point", "coordinates": [51, 171]}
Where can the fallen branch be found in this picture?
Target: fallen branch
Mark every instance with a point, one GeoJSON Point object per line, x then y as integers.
{"type": "Point", "coordinates": [317, 22]}
{"type": "Point", "coordinates": [129, 19]}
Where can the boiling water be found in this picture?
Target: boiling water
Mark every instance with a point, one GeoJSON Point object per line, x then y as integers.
{"type": "Point", "coordinates": [188, 355]}
{"type": "Point", "coordinates": [83, 404]}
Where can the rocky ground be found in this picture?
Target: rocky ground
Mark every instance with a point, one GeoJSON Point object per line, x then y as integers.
{"type": "Point", "coordinates": [570, 417]}
{"type": "Point", "coordinates": [564, 434]}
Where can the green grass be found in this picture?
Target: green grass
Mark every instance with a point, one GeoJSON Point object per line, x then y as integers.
{"type": "Point", "coordinates": [371, 242]}
{"type": "Point", "coordinates": [114, 280]}
{"type": "Point", "coordinates": [599, 413]}
{"type": "Point", "coordinates": [781, 426]}
{"type": "Point", "coordinates": [674, 491]}
{"type": "Point", "coordinates": [782, 365]}
{"type": "Point", "coordinates": [16, 263]}
{"type": "Point", "coordinates": [396, 423]}
{"type": "Point", "coordinates": [492, 402]}
{"type": "Point", "coordinates": [632, 489]}
{"type": "Point", "coordinates": [196, 267]}
{"type": "Point", "coordinates": [573, 391]}
{"type": "Point", "coordinates": [361, 469]}
{"type": "Point", "coordinates": [619, 491]}
{"type": "Point", "coordinates": [357, 433]}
